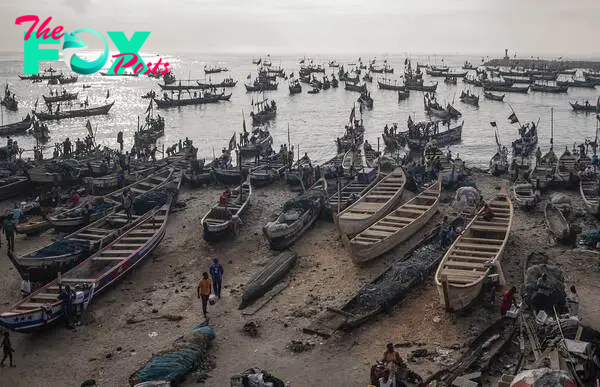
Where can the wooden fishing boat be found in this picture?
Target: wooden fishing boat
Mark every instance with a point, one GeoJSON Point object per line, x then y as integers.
{"type": "Point", "coordinates": [65, 80]}
{"type": "Point", "coordinates": [499, 164]}
{"type": "Point", "coordinates": [556, 223]}
{"type": "Point", "coordinates": [396, 227]}
{"type": "Point", "coordinates": [461, 274]}
{"type": "Point", "coordinates": [492, 86]}
{"type": "Point", "coordinates": [92, 276]}
{"type": "Point", "coordinates": [228, 82]}
{"type": "Point", "coordinates": [16, 127]}
{"type": "Point", "coordinates": [590, 193]}
{"type": "Point", "coordinates": [114, 74]}
{"type": "Point", "coordinates": [365, 99]}
{"type": "Point", "coordinates": [168, 102]}
{"type": "Point", "coordinates": [352, 162]}
{"type": "Point", "coordinates": [228, 176]}
{"type": "Point", "coordinates": [388, 85]}
{"type": "Point", "coordinates": [442, 138]}
{"type": "Point", "coordinates": [107, 204]}
{"type": "Point", "coordinates": [54, 172]}
{"type": "Point", "coordinates": [577, 83]}
{"type": "Point", "coordinates": [266, 174]}
{"type": "Point", "coordinates": [450, 80]}
{"type": "Point", "coordinates": [297, 216]}
{"type": "Point", "coordinates": [546, 88]}
{"type": "Point", "coordinates": [402, 95]}
{"type": "Point", "coordinates": [267, 277]}
{"type": "Point", "coordinates": [259, 144]}
{"type": "Point", "coordinates": [544, 170]}
{"type": "Point", "coordinates": [565, 169]}
{"type": "Point", "coordinates": [470, 99]}
{"type": "Point", "coordinates": [493, 97]}
{"type": "Point", "coordinates": [351, 191]}
{"type": "Point", "coordinates": [44, 264]}
{"type": "Point", "coordinates": [12, 186]}
{"type": "Point", "coordinates": [184, 86]}
{"type": "Point", "coordinates": [61, 97]}
{"type": "Point", "coordinates": [373, 205]}
{"type": "Point", "coordinates": [41, 77]}
{"type": "Point", "coordinates": [295, 87]}
{"type": "Point", "coordinates": [523, 195]}
{"type": "Point", "coordinates": [87, 112]}
{"type": "Point", "coordinates": [420, 86]}
{"type": "Point", "coordinates": [261, 86]}
{"type": "Point", "coordinates": [584, 107]}
{"type": "Point", "coordinates": [264, 112]}
{"type": "Point", "coordinates": [214, 70]}
{"type": "Point", "coordinates": [519, 166]}
{"type": "Point", "coordinates": [219, 222]}
{"type": "Point", "coordinates": [360, 88]}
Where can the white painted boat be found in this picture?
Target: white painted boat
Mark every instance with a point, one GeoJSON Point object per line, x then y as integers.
{"type": "Point", "coordinates": [372, 206]}
{"type": "Point", "coordinates": [590, 195]}
{"type": "Point", "coordinates": [396, 227]}
{"type": "Point", "coordinates": [466, 264]}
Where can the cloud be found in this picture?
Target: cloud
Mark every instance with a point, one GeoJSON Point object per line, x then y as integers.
{"type": "Point", "coordinates": [79, 6]}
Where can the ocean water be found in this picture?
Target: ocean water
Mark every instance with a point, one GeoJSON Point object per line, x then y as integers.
{"type": "Point", "coordinates": [314, 121]}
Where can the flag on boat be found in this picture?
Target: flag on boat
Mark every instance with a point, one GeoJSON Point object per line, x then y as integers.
{"type": "Point", "coordinates": [352, 114]}
{"type": "Point", "coordinates": [249, 76]}
{"type": "Point", "coordinates": [493, 123]}
{"type": "Point", "coordinates": [598, 105]}
{"type": "Point", "coordinates": [232, 142]}
{"type": "Point", "coordinates": [36, 103]}
{"type": "Point", "coordinates": [497, 141]}
{"type": "Point", "coordinates": [88, 125]}
{"type": "Point", "coordinates": [244, 124]}
{"type": "Point", "coordinates": [107, 94]}
{"type": "Point", "coordinates": [513, 118]}
{"type": "Point", "coordinates": [405, 61]}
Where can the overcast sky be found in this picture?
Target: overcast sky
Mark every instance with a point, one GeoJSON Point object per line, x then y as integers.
{"type": "Point", "coordinates": [542, 27]}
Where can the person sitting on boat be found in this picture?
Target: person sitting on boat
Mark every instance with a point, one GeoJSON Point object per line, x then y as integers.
{"type": "Point", "coordinates": [448, 154]}
{"type": "Point", "coordinates": [487, 212]}
{"type": "Point", "coordinates": [224, 198]}
{"type": "Point", "coordinates": [305, 158]}
{"type": "Point", "coordinates": [368, 146]}
{"type": "Point", "coordinates": [74, 198]}
{"type": "Point", "coordinates": [538, 155]}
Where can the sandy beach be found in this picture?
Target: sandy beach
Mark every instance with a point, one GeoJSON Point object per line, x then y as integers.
{"type": "Point", "coordinates": [157, 303]}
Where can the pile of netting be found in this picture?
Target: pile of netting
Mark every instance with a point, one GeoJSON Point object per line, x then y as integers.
{"type": "Point", "coordinates": [545, 294]}
{"type": "Point", "coordinates": [62, 247]}
{"type": "Point", "coordinates": [150, 200]}
{"type": "Point", "coordinates": [187, 354]}
{"type": "Point", "coordinates": [591, 237]}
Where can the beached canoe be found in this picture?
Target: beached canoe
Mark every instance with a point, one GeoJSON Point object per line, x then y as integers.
{"type": "Point", "coordinates": [218, 221]}
{"type": "Point", "coordinates": [566, 166]}
{"type": "Point", "coordinates": [296, 217]}
{"type": "Point", "coordinates": [44, 264]}
{"type": "Point", "coordinates": [107, 204]}
{"type": "Point", "coordinates": [352, 191]}
{"type": "Point", "coordinates": [590, 195]}
{"type": "Point", "coordinates": [544, 170]}
{"type": "Point", "coordinates": [556, 223]}
{"type": "Point", "coordinates": [352, 162]}
{"type": "Point", "coordinates": [523, 195]}
{"type": "Point", "coordinates": [13, 185]}
{"type": "Point", "coordinates": [461, 274]}
{"type": "Point", "coordinates": [92, 276]}
{"type": "Point", "coordinates": [396, 227]}
{"type": "Point", "coordinates": [373, 205]}
{"type": "Point", "coordinates": [267, 277]}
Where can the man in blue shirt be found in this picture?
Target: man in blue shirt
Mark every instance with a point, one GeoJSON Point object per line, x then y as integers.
{"type": "Point", "coordinates": [216, 272]}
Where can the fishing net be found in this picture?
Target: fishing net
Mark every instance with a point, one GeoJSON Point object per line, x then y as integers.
{"type": "Point", "coordinates": [559, 198]}
{"type": "Point", "coordinates": [543, 295]}
{"type": "Point", "coordinates": [591, 237]}
{"type": "Point", "coordinates": [150, 200]}
{"type": "Point", "coordinates": [187, 354]}
{"type": "Point", "coordinates": [62, 247]}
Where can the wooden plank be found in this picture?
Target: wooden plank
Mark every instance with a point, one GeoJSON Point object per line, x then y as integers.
{"type": "Point", "coordinates": [475, 227]}
{"type": "Point", "coordinates": [465, 265]}
{"type": "Point", "coordinates": [104, 258]}
{"type": "Point", "coordinates": [487, 240]}
{"type": "Point", "coordinates": [477, 246]}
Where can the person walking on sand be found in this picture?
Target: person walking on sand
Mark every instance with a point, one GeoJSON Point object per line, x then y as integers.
{"type": "Point", "coordinates": [204, 287]}
{"type": "Point", "coordinates": [7, 349]}
{"type": "Point", "coordinates": [9, 231]}
{"type": "Point", "coordinates": [216, 273]}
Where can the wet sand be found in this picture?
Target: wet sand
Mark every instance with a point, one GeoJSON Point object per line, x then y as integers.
{"type": "Point", "coordinates": [126, 324]}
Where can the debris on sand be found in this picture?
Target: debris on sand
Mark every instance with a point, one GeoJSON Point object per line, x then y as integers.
{"type": "Point", "coordinates": [299, 346]}
{"type": "Point", "coordinates": [250, 329]}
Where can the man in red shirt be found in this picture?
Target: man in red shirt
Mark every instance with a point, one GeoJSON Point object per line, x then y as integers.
{"type": "Point", "coordinates": [508, 300]}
